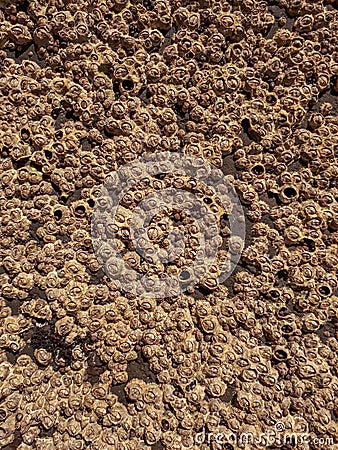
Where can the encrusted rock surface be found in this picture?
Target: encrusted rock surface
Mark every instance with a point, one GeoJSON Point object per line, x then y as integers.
{"type": "Point", "coordinates": [87, 86]}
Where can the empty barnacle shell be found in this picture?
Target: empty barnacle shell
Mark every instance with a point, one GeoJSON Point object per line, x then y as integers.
{"type": "Point", "coordinates": [288, 193]}
{"type": "Point", "coordinates": [324, 290]}
{"type": "Point", "coordinates": [281, 353]}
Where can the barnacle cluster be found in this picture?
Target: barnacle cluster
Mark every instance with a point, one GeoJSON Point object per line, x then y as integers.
{"type": "Point", "coordinates": [158, 226]}
{"type": "Point", "coordinates": [87, 86]}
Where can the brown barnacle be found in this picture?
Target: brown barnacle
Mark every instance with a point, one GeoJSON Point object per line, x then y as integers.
{"type": "Point", "coordinates": [209, 282]}
{"type": "Point", "coordinates": [99, 392]}
{"type": "Point", "coordinates": [216, 388]}
{"type": "Point", "coordinates": [147, 304]}
{"type": "Point", "coordinates": [117, 415]}
{"type": "Point", "coordinates": [315, 121]}
{"type": "Point", "coordinates": [64, 326]}
{"type": "Point", "coordinates": [208, 323]}
{"type": "Point", "coordinates": [73, 427]}
{"type": "Point", "coordinates": [324, 290]}
{"type": "Point", "coordinates": [135, 389]}
{"type": "Point", "coordinates": [288, 193]}
{"type": "Point", "coordinates": [306, 371]}
{"type": "Point", "coordinates": [187, 423]}
{"type": "Point", "coordinates": [37, 308]}
{"type": "Point", "coordinates": [90, 430]}
{"type": "Point", "coordinates": [4, 370]}
{"type": "Point", "coordinates": [249, 196]}
{"type": "Point", "coordinates": [304, 23]}
{"type": "Point", "coordinates": [75, 402]}
{"type": "Point", "coordinates": [47, 417]}
{"type": "Point", "coordinates": [42, 356]}
{"type": "Point", "coordinates": [152, 435]}
{"type": "Point", "coordinates": [281, 353]}
{"type": "Point", "coordinates": [311, 323]}
{"type": "Point", "coordinates": [150, 338]}
{"type": "Point", "coordinates": [20, 34]}
{"type": "Point", "coordinates": [249, 374]}
{"type": "Point", "coordinates": [8, 177]}
{"type": "Point", "coordinates": [12, 342]}
{"type": "Point", "coordinates": [149, 351]}
{"type": "Point", "coordinates": [323, 81]}
{"type": "Point", "coordinates": [293, 234]}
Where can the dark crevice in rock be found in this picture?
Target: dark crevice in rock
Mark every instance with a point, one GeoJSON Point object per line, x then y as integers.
{"type": "Point", "coordinates": [139, 368]}
{"type": "Point", "coordinates": [11, 357]}
{"type": "Point", "coordinates": [229, 394]}
{"type": "Point", "coordinates": [14, 305]}
{"type": "Point", "coordinates": [47, 433]}
{"type": "Point", "coordinates": [95, 367]}
{"type": "Point", "coordinates": [228, 165]}
{"type": "Point", "coordinates": [96, 277]}
{"type": "Point", "coordinates": [16, 442]}
{"type": "Point", "coordinates": [32, 232]}
{"type": "Point", "coordinates": [144, 95]}
{"type": "Point", "coordinates": [36, 292]}
{"type": "Point", "coordinates": [119, 391]}
{"type": "Point", "coordinates": [22, 162]}
{"type": "Point", "coordinates": [46, 337]}
{"type": "Point", "coordinates": [168, 38]}
{"type": "Point", "coordinates": [63, 238]}
{"type": "Point", "coordinates": [158, 446]}
{"type": "Point", "coordinates": [327, 331]}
